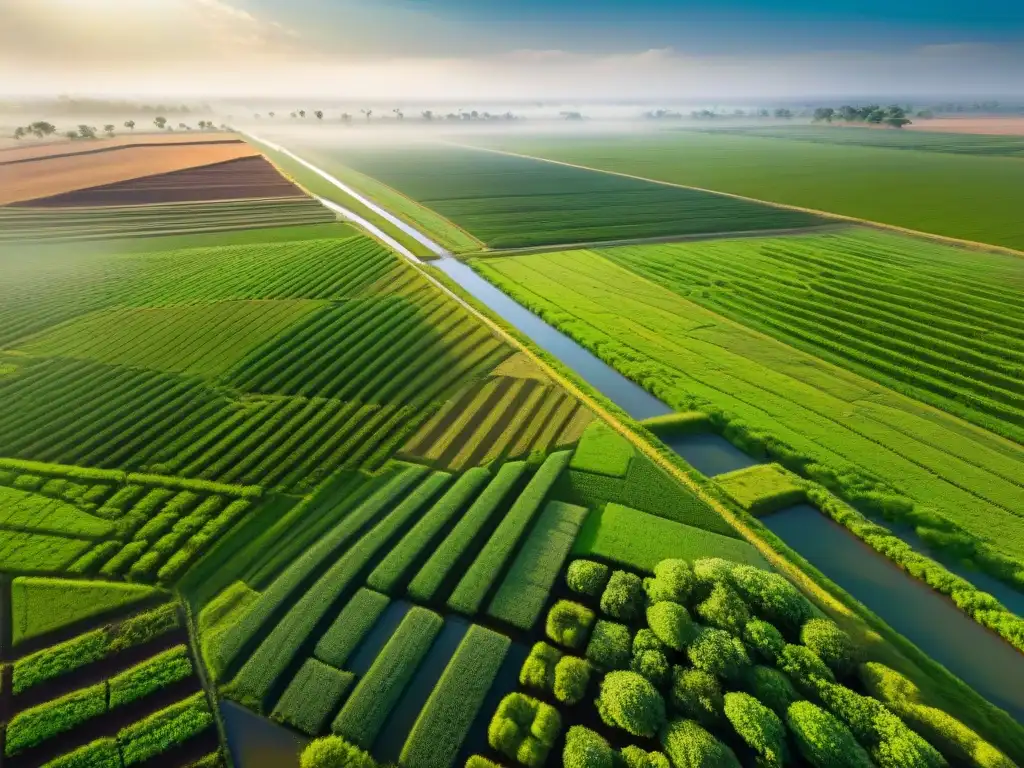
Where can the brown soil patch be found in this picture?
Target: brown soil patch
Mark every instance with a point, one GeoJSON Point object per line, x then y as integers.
{"type": "Point", "coordinates": [993, 126]}
{"type": "Point", "coordinates": [31, 149]}
{"type": "Point", "coordinates": [245, 178]}
{"type": "Point", "coordinates": [29, 181]}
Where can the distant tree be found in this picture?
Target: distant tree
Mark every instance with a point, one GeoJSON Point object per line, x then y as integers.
{"type": "Point", "coordinates": [271, 114]}
{"type": "Point", "coordinates": [302, 113]}
{"type": "Point", "coordinates": [346, 118]}
{"type": "Point", "coordinates": [783, 114]}
{"type": "Point", "coordinates": [319, 115]}
{"type": "Point", "coordinates": [398, 113]}
{"type": "Point", "coordinates": [925, 114]}
{"type": "Point", "coordinates": [898, 122]}
{"type": "Point", "coordinates": [184, 127]}
{"type": "Point", "coordinates": [87, 131]}
{"type": "Point", "coordinates": [824, 114]}
{"type": "Point", "coordinates": [129, 124]}
{"type": "Point", "coordinates": [160, 122]}
{"type": "Point", "coordinates": [427, 115]}
{"type": "Point", "coordinates": [293, 115]}
{"type": "Point", "coordinates": [19, 132]}
{"type": "Point", "coordinates": [565, 115]}
{"type": "Point", "coordinates": [762, 113]}
{"type": "Point", "coordinates": [368, 113]}
{"type": "Point", "coordinates": [109, 130]}
{"type": "Point", "coordinates": [41, 129]}
{"type": "Point", "coordinates": [474, 115]}
{"type": "Point", "coordinates": [72, 135]}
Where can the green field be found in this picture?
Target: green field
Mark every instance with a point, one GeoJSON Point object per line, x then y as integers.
{"type": "Point", "coordinates": [510, 202]}
{"type": "Point", "coordinates": [928, 191]}
{"type": "Point", "coordinates": [858, 435]}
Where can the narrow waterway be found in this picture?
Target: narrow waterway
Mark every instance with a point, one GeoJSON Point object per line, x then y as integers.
{"type": "Point", "coordinates": [256, 742]}
{"type": "Point", "coordinates": [979, 657]}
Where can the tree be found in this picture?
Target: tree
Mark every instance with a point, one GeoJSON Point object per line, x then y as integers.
{"type": "Point", "coordinates": [129, 124]}
{"type": "Point", "coordinates": [160, 122]}
{"type": "Point", "coordinates": [719, 653]}
{"type": "Point", "coordinates": [764, 638]}
{"type": "Point", "coordinates": [41, 129]}
{"type": "Point", "coordinates": [335, 752]}
{"type": "Point", "coordinates": [804, 668]}
{"type": "Point", "coordinates": [346, 118]}
{"type": "Point", "coordinates": [368, 113]}
{"type": "Point", "coordinates": [610, 645]}
{"type": "Point", "coordinates": [569, 623]}
{"type": "Point", "coordinates": [759, 727]}
{"type": "Point", "coordinates": [319, 115]}
{"type": "Point", "coordinates": [270, 115]}
{"type": "Point", "coordinates": [87, 131]}
{"type": "Point", "coordinates": [824, 114]}
{"type": "Point", "coordinates": [690, 746]}
{"type": "Point", "coordinates": [830, 644]}
{"type": "Point", "coordinates": [636, 757]}
{"type": "Point", "coordinates": [572, 675]}
{"type": "Point", "coordinates": [184, 127]}
{"type": "Point", "coordinates": [585, 576]}
{"type": "Point", "coordinates": [697, 695]}
{"type": "Point", "coordinates": [823, 740]}
{"type": "Point", "coordinates": [623, 598]}
{"type": "Point", "coordinates": [898, 122]}
{"type": "Point", "coordinates": [538, 671]}
{"type": "Point", "coordinates": [629, 701]}
{"type": "Point", "coordinates": [772, 688]}
{"type": "Point", "coordinates": [724, 609]}
{"type": "Point", "coordinates": [586, 749]}
{"type": "Point", "coordinates": [673, 580]}
{"type": "Point", "coordinates": [109, 130]}
{"type": "Point", "coordinates": [19, 132]}
{"type": "Point", "coordinates": [302, 113]}
{"type": "Point", "coordinates": [671, 624]}
{"type": "Point", "coordinates": [427, 115]}
{"type": "Point", "coordinates": [653, 665]}
{"type": "Point", "coordinates": [783, 114]}
{"type": "Point", "coordinates": [772, 597]}
{"type": "Point", "coordinates": [398, 113]}
{"type": "Point", "coordinates": [72, 135]}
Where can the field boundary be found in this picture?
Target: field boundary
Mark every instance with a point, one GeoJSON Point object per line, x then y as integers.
{"type": "Point", "coordinates": [139, 145]}
{"type": "Point", "coordinates": [969, 244]}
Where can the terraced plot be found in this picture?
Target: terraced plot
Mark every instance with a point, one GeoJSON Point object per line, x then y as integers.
{"type": "Point", "coordinates": [843, 430]}
{"type": "Point", "coordinates": [510, 202]}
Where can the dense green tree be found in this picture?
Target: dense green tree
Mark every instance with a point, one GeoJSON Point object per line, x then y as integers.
{"type": "Point", "coordinates": [724, 609]}
{"type": "Point", "coordinates": [671, 624]}
{"type": "Point", "coordinates": [690, 746]}
{"type": "Point", "coordinates": [772, 688]}
{"type": "Point", "coordinates": [697, 695]}
{"type": "Point", "coordinates": [772, 597]}
{"type": "Point", "coordinates": [538, 671]}
{"type": "Point", "coordinates": [587, 577]}
{"type": "Point", "coordinates": [759, 727]}
{"type": "Point", "coordinates": [569, 623]}
{"type": "Point", "coordinates": [629, 701]}
{"type": "Point", "coordinates": [830, 644]}
{"type": "Point", "coordinates": [646, 640]}
{"type": "Point", "coordinates": [804, 668]}
{"type": "Point", "coordinates": [718, 652]}
{"type": "Point", "coordinates": [764, 638]}
{"type": "Point", "coordinates": [586, 749]}
{"type": "Point", "coordinates": [572, 676]}
{"type": "Point", "coordinates": [609, 646]}
{"type": "Point", "coordinates": [623, 598]}
{"type": "Point", "coordinates": [637, 757]}
{"type": "Point", "coordinates": [823, 741]}
{"type": "Point", "coordinates": [653, 665]}
{"type": "Point", "coordinates": [673, 580]}
{"type": "Point", "coordinates": [335, 752]}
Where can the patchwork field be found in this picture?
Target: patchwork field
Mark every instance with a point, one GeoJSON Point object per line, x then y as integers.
{"type": "Point", "coordinates": [848, 432]}
{"type": "Point", "coordinates": [510, 202]}
{"type": "Point", "coordinates": [935, 192]}
{"type": "Point", "coordinates": [34, 150]}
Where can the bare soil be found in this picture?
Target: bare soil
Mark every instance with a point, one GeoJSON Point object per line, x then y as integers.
{"type": "Point", "coordinates": [32, 149]}
{"type": "Point", "coordinates": [994, 126]}
{"type": "Point", "coordinates": [20, 182]}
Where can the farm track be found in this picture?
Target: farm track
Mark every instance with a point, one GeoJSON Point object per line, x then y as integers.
{"type": "Point", "coordinates": [826, 214]}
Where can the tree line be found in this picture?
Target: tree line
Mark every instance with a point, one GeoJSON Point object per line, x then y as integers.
{"type": "Point", "coordinates": [872, 114]}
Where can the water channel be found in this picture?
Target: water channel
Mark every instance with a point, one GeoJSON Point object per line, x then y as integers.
{"type": "Point", "coordinates": [976, 655]}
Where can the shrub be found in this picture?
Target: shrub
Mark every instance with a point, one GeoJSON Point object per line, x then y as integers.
{"type": "Point", "coordinates": [772, 597]}
{"type": "Point", "coordinates": [671, 624]}
{"type": "Point", "coordinates": [954, 739]}
{"type": "Point", "coordinates": [697, 695]}
{"type": "Point", "coordinates": [724, 609]}
{"type": "Point", "coordinates": [476, 761]}
{"type": "Point", "coordinates": [804, 668]}
{"type": "Point", "coordinates": [708, 571]}
{"type": "Point", "coordinates": [539, 668]}
{"type": "Point", "coordinates": [587, 577]}
{"type": "Point", "coordinates": [719, 653]}
{"type": "Point", "coordinates": [759, 727]}
{"type": "Point", "coordinates": [765, 639]}
{"type": "Point", "coordinates": [586, 749]}
{"type": "Point", "coordinates": [635, 757]}
{"type": "Point", "coordinates": [335, 752]}
{"type": "Point", "coordinates": [823, 740]}
{"type": "Point", "coordinates": [652, 665]}
{"type": "Point", "coordinates": [830, 644]}
{"type": "Point", "coordinates": [771, 688]}
{"type": "Point", "coordinates": [673, 580]}
{"type": "Point", "coordinates": [646, 640]}
{"type": "Point", "coordinates": [569, 623]}
{"type": "Point", "coordinates": [623, 598]}
{"type": "Point", "coordinates": [630, 702]}
{"type": "Point", "coordinates": [524, 729]}
{"type": "Point", "coordinates": [572, 675]}
{"type": "Point", "coordinates": [609, 645]}
{"type": "Point", "coordinates": [690, 746]}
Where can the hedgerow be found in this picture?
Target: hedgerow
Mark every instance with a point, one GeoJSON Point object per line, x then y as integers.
{"type": "Point", "coordinates": [586, 749]}
{"type": "Point", "coordinates": [102, 753]}
{"type": "Point", "coordinates": [524, 729]}
{"type": "Point", "coordinates": [822, 740]}
{"type": "Point", "coordinates": [349, 628]}
{"type": "Point", "coordinates": [772, 688]}
{"type": "Point", "coordinates": [673, 580]}
{"type": "Point", "coordinates": [474, 585]}
{"type": "Point", "coordinates": [690, 746]}
{"type": "Point", "coordinates": [772, 597]}
{"type": "Point", "coordinates": [572, 676]}
{"type": "Point", "coordinates": [759, 727]}
{"type": "Point", "coordinates": [445, 720]}
{"type": "Point", "coordinates": [610, 645]}
{"type": "Point", "coordinates": [830, 644]}
{"type": "Point", "coordinates": [313, 696]}
{"type": "Point", "coordinates": [569, 623]}
{"type": "Point", "coordinates": [160, 731]}
{"type": "Point", "coordinates": [629, 701]}
{"type": "Point", "coordinates": [697, 695]}
{"type": "Point", "coordinates": [587, 577]}
{"type": "Point", "coordinates": [379, 690]}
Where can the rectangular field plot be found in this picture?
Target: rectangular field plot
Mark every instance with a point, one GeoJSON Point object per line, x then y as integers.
{"type": "Point", "coordinates": [510, 202]}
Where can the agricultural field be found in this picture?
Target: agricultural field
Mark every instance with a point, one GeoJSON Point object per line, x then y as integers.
{"type": "Point", "coordinates": [509, 202]}
{"type": "Point", "coordinates": [847, 432]}
{"type": "Point", "coordinates": [924, 190]}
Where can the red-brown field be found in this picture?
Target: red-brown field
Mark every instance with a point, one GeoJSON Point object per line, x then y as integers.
{"type": "Point", "coordinates": [244, 178]}
{"type": "Point", "coordinates": [994, 126]}
{"type": "Point", "coordinates": [32, 149]}
{"type": "Point", "coordinates": [20, 182]}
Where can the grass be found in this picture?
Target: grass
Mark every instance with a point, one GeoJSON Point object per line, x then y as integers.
{"type": "Point", "coordinates": [35, 725]}
{"type": "Point", "coordinates": [845, 431]}
{"type": "Point", "coordinates": [377, 693]}
{"type": "Point", "coordinates": [312, 696]}
{"type": "Point", "coordinates": [471, 590]}
{"type": "Point", "coordinates": [763, 488]}
{"type": "Point", "coordinates": [25, 511]}
{"type": "Point", "coordinates": [525, 589]}
{"type": "Point", "coordinates": [40, 605]}
{"type": "Point", "coordinates": [602, 451]}
{"type": "Point", "coordinates": [638, 540]}
{"type": "Point", "coordinates": [512, 202]}
{"type": "Point", "coordinates": [446, 718]}
{"type": "Point", "coordinates": [929, 191]}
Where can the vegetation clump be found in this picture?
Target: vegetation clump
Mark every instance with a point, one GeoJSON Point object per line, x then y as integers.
{"type": "Point", "coordinates": [671, 624]}
{"type": "Point", "coordinates": [688, 745]}
{"type": "Point", "coordinates": [572, 676]}
{"type": "Point", "coordinates": [587, 577]}
{"type": "Point", "coordinates": [569, 623]}
{"type": "Point", "coordinates": [653, 665]}
{"type": "Point", "coordinates": [630, 702]}
{"type": "Point", "coordinates": [636, 757]}
{"type": "Point", "coordinates": [765, 639]}
{"type": "Point", "coordinates": [697, 695]}
{"type": "Point", "coordinates": [830, 644]}
{"type": "Point", "coordinates": [609, 646]}
{"type": "Point", "coordinates": [335, 752]}
{"type": "Point", "coordinates": [759, 727]}
{"type": "Point", "coordinates": [586, 749]}
{"type": "Point", "coordinates": [724, 609]}
{"type": "Point", "coordinates": [673, 580]}
{"type": "Point", "coordinates": [524, 729]}
{"type": "Point", "coordinates": [719, 653]}
{"type": "Point", "coordinates": [623, 598]}
{"type": "Point", "coordinates": [823, 741]}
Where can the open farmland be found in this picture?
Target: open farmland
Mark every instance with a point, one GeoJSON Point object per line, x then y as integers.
{"type": "Point", "coordinates": [928, 191]}
{"type": "Point", "coordinates": [512, 202]}
{"type": "Point", "coordinates": [22, 152]}
{"type": "Point", "coordinates": [858, 435]}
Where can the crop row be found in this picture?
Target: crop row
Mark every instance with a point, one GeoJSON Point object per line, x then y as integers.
{"type": "Point", "coordinates": [21, 510]}
{"type": "Point", "coordinates": [526, 587]}
{"type": "Point", "coordinates": [262, 670]}
{"type": "Point", "coordinates": [477, 581]}
{"type": "Point", "coordinates": [313, 696]}
{"type": "Point", "coordinates": [379, 690]}
{"type": "Point", "coordinates": [352, 624]}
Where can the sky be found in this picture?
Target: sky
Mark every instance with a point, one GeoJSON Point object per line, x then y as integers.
{"type": "Point", "coordinates": [674, 50]}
